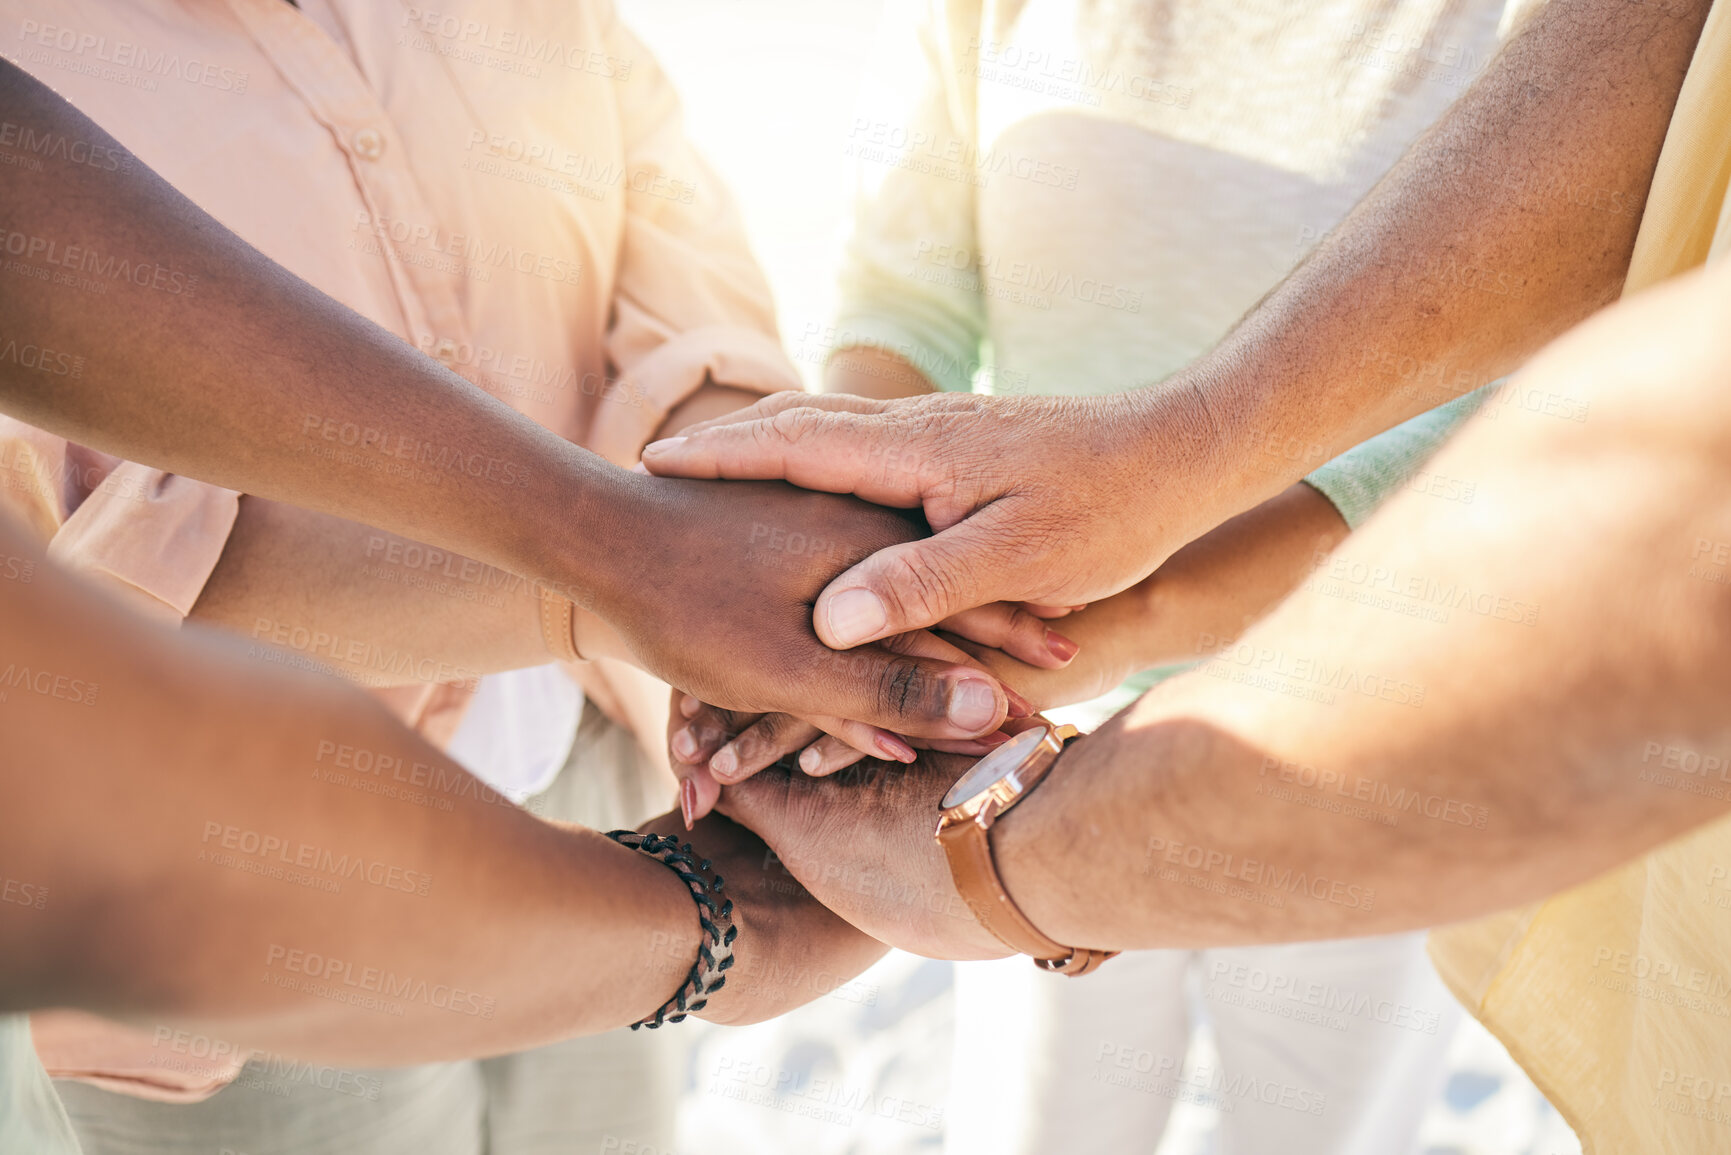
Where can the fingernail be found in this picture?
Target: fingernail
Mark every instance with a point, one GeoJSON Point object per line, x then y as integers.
{"type": "Point", "coordinates": [725, 764]}
{"type": "Point", "coordinates": [994, 739]}
{"type": "Point", "coordinates": [1061, 647]}
{"type": "Point", "coordinates": [810, 759]}
{"type": "Point", "coordinates": [973, 705]}
{"type": "Point", "coordinates": [855, 616]}
{"type": "Point", "coordinates": [688, 802]}
{"type": "Point", "coordinates": [895, 749]}
{"type": "Point", "coordinates": [688, 706]}
{"type": "Point", "coordinates": [665, 445]}
{"type": "Point", "coordinates": [684, 745]}
{"type": "Point", "coordinates": [1020, 707]}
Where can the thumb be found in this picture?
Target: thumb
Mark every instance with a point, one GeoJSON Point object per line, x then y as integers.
{"type": "Point", "coordinates": [905, 693]}
{"type": "Point", "coordinates": [917, 584]}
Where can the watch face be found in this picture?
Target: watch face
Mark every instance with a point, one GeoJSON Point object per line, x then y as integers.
{"type": "Point", "coordinates": [994, 767]}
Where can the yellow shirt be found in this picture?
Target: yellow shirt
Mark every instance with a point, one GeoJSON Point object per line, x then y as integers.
{"type": "Point", "coordinates": [1616, 996]}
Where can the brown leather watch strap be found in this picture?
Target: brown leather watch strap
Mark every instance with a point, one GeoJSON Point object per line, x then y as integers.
{"type": "Point", "coordinates": [968, 847]}
{"type": "Point", "coordinates": [556, 622]}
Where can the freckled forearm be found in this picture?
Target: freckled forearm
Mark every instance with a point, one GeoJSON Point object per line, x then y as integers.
{"type": "Point", "coordinates": [1512, 219]}
{"type": "Point", "coordinates": [1471, 713]}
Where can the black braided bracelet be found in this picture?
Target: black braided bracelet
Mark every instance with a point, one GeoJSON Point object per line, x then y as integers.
{"type": "Point", "coordinates": [715, 948]}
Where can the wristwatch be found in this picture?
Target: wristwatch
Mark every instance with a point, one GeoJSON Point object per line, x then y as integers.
{"type": "Point", "coordinates": [977, 800]}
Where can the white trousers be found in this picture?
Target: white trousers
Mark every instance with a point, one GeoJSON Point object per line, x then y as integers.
{"type": "Point", "coordinates": [1331, 1048]}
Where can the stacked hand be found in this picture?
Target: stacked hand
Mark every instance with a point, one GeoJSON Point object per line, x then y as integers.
{"type": "Point", "coordinates": [731, 622]}
{"type": "Point", "coordinates": [783, 930]}
{"type": "Point", "coordinates": [861, 841]}
{"type": "Point", "coordinates": [1031, 499]}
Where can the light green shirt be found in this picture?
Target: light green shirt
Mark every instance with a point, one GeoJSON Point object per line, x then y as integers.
{"type": "Point", "coordinates": [32, 1121]}
{"type": "Point", "coordinates": [1087, 197]}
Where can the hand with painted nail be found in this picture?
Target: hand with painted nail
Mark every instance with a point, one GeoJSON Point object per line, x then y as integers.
{"type": "Point", "coordinates": [711, 747]}
{"type": "Point", "coordinates": [715, 597]}
{"type": "Point", "coordinates": [1032, 499]}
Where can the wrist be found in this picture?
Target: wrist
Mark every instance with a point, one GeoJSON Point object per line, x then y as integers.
{"type": "Point", "coordinates": [590, 535]}
{"type": "Point", "coordinates": [704, 939]}
{"type": "Point", "coordinates": [1034, 873]}
{"type": "Point", "coordinates": [1174, 444]}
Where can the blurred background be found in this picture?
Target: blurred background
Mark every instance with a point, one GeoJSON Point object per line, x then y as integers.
{"type": "Point", "coordinates": [770, 90]}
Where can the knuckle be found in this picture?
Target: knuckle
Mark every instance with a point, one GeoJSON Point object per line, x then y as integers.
{"type": "Point", "coordinates": [917, 587]}
{"type": "Point", "coordinates": [907, 690]}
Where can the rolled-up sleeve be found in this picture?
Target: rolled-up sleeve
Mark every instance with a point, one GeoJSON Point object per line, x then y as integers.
{"type": "Point", "coordinates": [1362, 478]}
{"type": "Point", "coordinates": [690, 303]}
{"type": "Point", "coordinates": [915, 211]}
{"type": "Point", "coordinates": [151, 539]}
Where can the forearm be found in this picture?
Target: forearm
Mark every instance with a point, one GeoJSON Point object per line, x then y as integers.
{"type": "Point", "coordinates": [872, 371]}
{"type": "Point", "coordinates": [1512, 219]}
{"type": "Point", "coordinates": [1210, 591]}
{"type": "Point", "coordinates": [1468, 724]}
{"type": "Point", "coordinates": [376, 607]}
{"type": "Point", "coordinates": [1205, 595]}
{"type": "Point", "coordinates": [708, 402]}
{"type": "Point", "coordinates": [239, 373]}
{"type": "Point", "coordinates": [281, 861]}
{"type": "Point", "coordinates": [379, 607]}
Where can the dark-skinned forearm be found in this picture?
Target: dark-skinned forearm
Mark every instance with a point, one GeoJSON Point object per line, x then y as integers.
{"type": "Point", "coordinates": [282, 392]}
